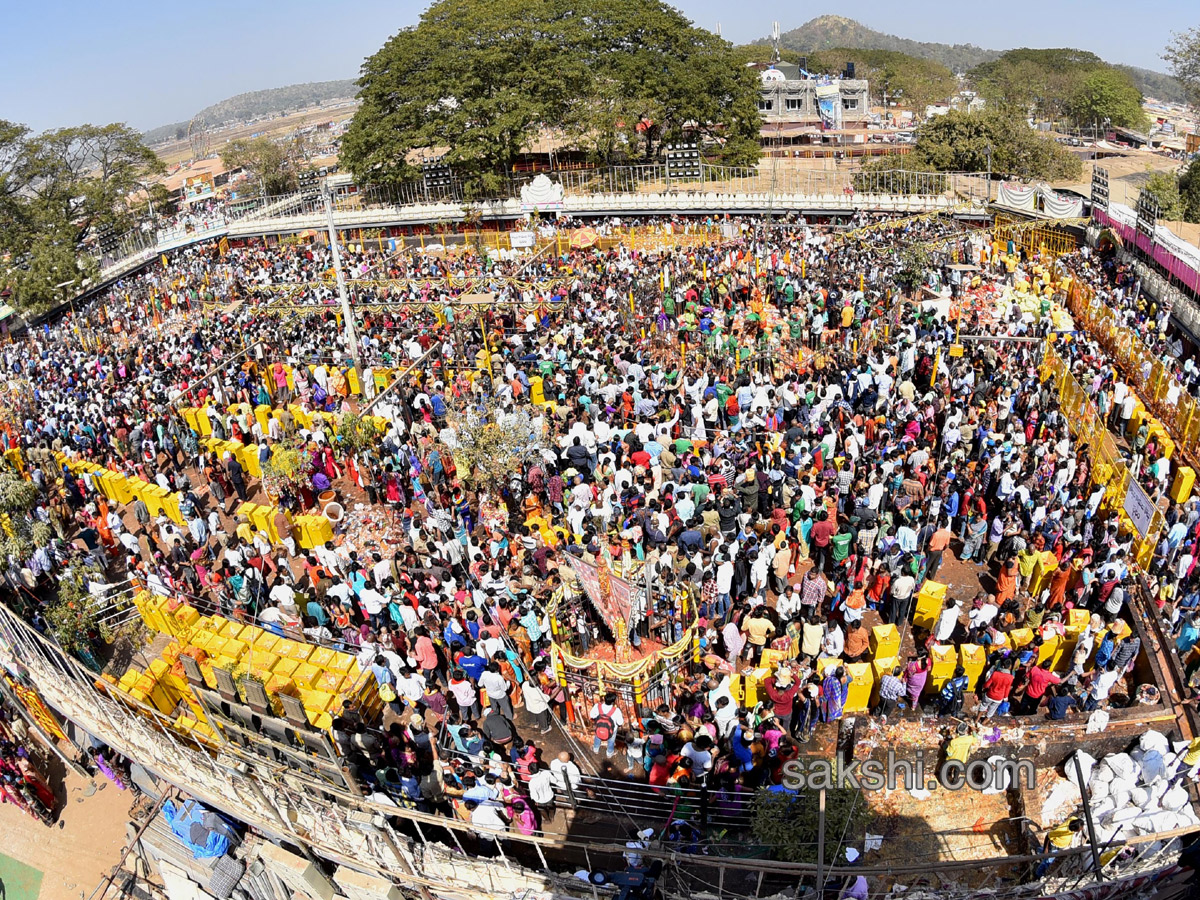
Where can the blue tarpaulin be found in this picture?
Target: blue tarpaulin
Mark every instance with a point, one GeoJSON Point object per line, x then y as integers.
{"type": "Point", "coordinates": [205, 833]}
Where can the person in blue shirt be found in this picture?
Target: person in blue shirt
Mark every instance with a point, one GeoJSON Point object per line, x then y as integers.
{"type": "Point", "coordinates": [741, 740]}
{"type": "Point", "coordinates": [1188, 634]}
{"type": "Point", "coordinates": [472, 663]}
{"type": "Point", "coordinates": [383, 674]}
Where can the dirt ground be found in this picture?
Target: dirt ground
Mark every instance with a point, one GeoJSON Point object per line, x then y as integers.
{"type": "Point", "coordinates": [81, 848]}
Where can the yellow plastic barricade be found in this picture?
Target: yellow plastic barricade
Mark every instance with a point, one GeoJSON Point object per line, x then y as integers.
{"type": "Point", "coordinates": [944, 659]}
{"type": "Point", "coordinates": [859, 688]}
{"type": "Point", "coordinates": [1181, 486]}
{"type": "Point", "coordinates": [972, 658]}
{"type": "Point", "coordinates": [885, 642]}
{"type": "Point", "coordinates": [930, 601]}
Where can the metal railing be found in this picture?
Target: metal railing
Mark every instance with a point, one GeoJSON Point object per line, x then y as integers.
{"type": "Point", "coordinates": [844, 185]}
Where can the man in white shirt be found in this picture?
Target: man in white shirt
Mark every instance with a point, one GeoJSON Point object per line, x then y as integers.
{"type": "Point", "coordinates": [283, 595]}
{"type": "Point", "coordinates": [541, 787]}
{"type": "Point", "coordinates": [566, 774]}
{"type": "Point", "coordinates": [496, 686]}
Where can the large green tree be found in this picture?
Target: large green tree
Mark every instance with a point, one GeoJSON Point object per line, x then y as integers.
{"type": "Point", "coordinates": [1164, 187]}
{"type": "Point", "coordinates": [960, 142]}
{"type": "Point", "coordinates": [1107, 94]}
{"type": "Point", "coordinates": [1189, 191]}
{"type": "Point", "coordinates": [84, 174]}
{"type": "Point", "coordinates": [1183, 54]}
{"type": "Point", "coordinates": [481, 80]}
{"type": "Point", "coordinates": [58, 188]}
{"type": "Point", "coordinates": [269, 165]}
{"type": "Point", "coordinates": [1073, 85]}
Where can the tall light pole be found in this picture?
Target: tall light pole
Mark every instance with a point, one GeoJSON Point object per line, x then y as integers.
{"type": "Point", "coordinates": [347, 315]}
{"type": "Point", "coordinates": [988, 153]}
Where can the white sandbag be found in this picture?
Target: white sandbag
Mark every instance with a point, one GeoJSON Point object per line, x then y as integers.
{"type": "Point", "coordinates": [1100, 791]}
{"type": "Point", "coordinates": [1102, 772]}
{"type": "Point", "coordinates": [1107, 832]}
{"type": "Point", "coordinates": [1086, 762]}
{"type": "Point", "coordinates": [1120, 786]}
{"type": "Point", "coordinates": [1154, 740]}
{"type": "Point", "coordinates": [1102, 811]}
{"type": "Point", "coordinates": [1153, 766]}
{"type": "Point", "coordinates": [1155, 822]}
{"type": "Point", "coordinates": [1097, 722]}
{"type": "Point", "coordinates": [1063, 794]}
{"type": "Point", "coordinates": [1141, 798]}
{"type": "Point", "coordinates": [1126, 814]}
{"type": "Point", "coordinates": [1157, 789]}
{"type": "Point", "coordinates": [1121, 765]}
{"type": "Point", "coordinates": [1175, 799]}
{"type": "Point", "coordinates": [1004, 779]}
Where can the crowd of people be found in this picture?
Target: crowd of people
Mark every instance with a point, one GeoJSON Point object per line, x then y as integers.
{"type": "Point", "coordinates": [789, 444]}
{"type": "Point", "coordinates": [22, 780]}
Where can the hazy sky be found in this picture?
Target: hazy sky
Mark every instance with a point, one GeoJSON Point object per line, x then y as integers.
{"type": "Point", "coordinates": [151, 63]}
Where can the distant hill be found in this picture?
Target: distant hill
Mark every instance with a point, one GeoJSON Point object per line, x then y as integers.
{"type": "Point", "coordinates": [259, 104]}
{"type": "Point", "coordinates": [1156, 84]}
{"type": "Point", "coordinates": [827, 32]}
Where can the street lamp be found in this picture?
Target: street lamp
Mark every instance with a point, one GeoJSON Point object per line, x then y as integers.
{"type": "Point", "coordinates": [987, 151]}
{"type": "Point", "coordinates": [347, 313]}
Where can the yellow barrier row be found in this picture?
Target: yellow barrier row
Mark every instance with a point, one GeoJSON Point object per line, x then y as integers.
{"type": "Point", "coordinates": [321, 678]}
{"type": "Point", "coordinates": [1108, 468]}
{"type": "Point", "coordinates": [1144, 370]}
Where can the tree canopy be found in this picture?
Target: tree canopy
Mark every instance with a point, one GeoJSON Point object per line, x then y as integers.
{"type": "Point", "coordinates": [480, 80]}
{"type": "Point", "coordinates": [1063, 83]}
{"type": "Point", "coordinates": [55, 188]}
{"type": "Point", "coordinates": [959, 142]}
{"type": "Point", "coordinates": [269, 164]}
{"type": "Point", "coordinates": [1183, 55]}
{"type": "Point", "coordinates": [1164, 187]}
{"type": "Point", "coordinates": [1189, 191]}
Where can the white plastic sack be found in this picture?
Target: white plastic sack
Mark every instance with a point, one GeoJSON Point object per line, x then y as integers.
{"type": "Point", "coordinates": [1175, 799]}
{"type": "Point", "coordinates": [1154, 740]}
{"type": "Point", "coordinates": [1121, 765]}
{"type": "Point", "coordinates": [1086, 762]}
{"type": "Point", "coordinates": [1102, 811]}
{"type": "Point", "coordinates": [1124, 786]}
{"type": "Point", "coordinates": [1002, 783]}
{"type": "Point", "coordinates": [1101, 773]}
{"type": "Point", "coordinates": [1063, 794]}
{"type": "Point", "coordinates": [1157, 789]}
{"type": "Point", "coordinates": [1153, 766]}
{"type": "Point", "coordinates": [1141, 799]}
{"type": "Point", "coordinates": [1155, 822]}
{"type": "Point", "coordinates": [1097, 722]}
{"type": "Point", "coordinates": [1125, 814]}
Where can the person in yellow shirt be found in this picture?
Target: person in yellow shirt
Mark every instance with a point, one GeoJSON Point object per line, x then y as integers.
{"type": "Point", "coordinates": [758, 629]}
{"type": "Point", "coordinates": [1058, 839]}
{"type": "Point", "coordinates": [847, 316]}
{"type": "Point", "coordinates": [1027, 560]}
{"type": "Point", "coordinates": [1189, 761]}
